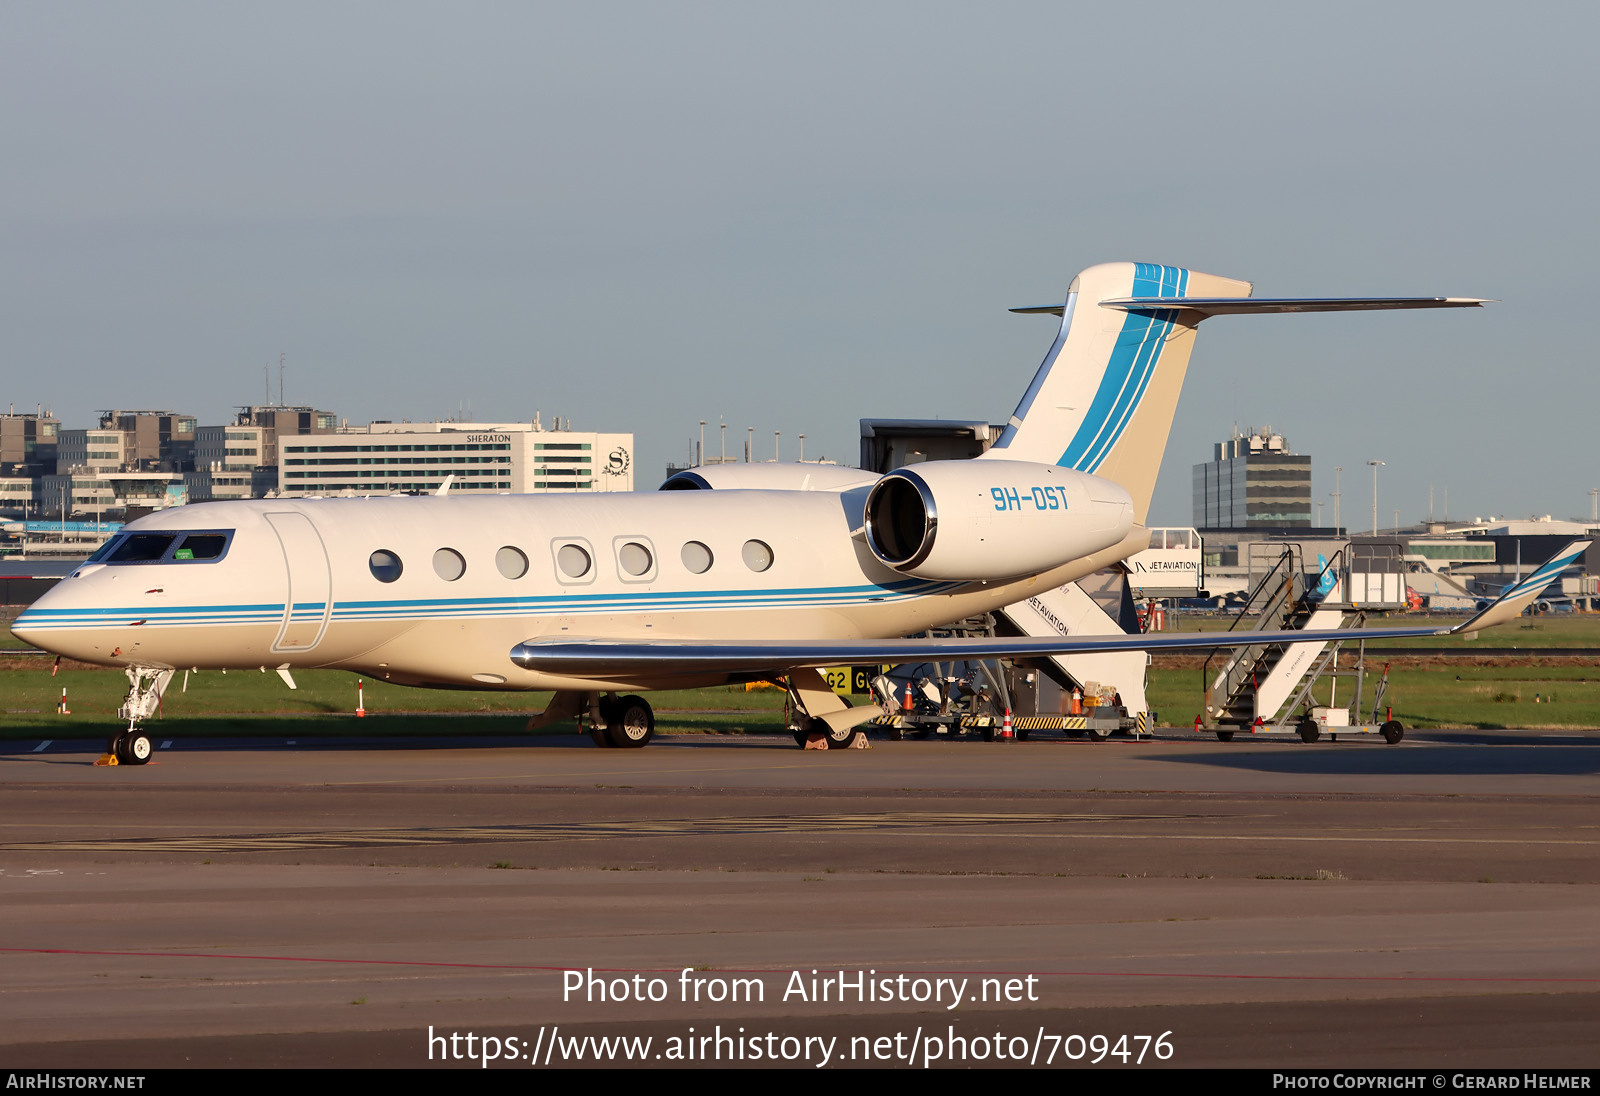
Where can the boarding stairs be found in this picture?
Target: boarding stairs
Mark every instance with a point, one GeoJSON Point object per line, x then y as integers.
{"type": "Point", "coordinates": [1071, 611]}
{"type": "Point", "coordinates": [1254, 681]}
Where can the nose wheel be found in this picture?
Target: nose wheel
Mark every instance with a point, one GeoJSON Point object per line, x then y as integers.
{"type": "Point", "coordinates": [130, 747]}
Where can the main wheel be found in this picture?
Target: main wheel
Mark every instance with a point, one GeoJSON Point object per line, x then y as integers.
{"type": "Point", "coordinates": [840, 739]}
{"type": "Point", "coordinates": [1096, 736]}
{"type": "Point", "coordinates": [1309, 732]}
{"type": "Point", "coordinates": [1392, 731]}
{"type": "Point", "coordinates": [630, 723]}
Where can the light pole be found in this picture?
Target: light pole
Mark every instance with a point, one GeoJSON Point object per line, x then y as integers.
{"type": "Point", "coordinates": [1336, 470]}
{"type": "Point", "coordinates": [700, 454]}
{"type": "Point", "coordinates": [776, 434]}
{"type": "Point", "coordinates": [723, 451]}
{"type": "Point", "coordinates": [1376, 464]}
{"type": "Point", "coordinates": [802, 448]}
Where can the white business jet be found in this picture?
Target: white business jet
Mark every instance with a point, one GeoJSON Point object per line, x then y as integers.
{"type": "Point", "coordinates": [730, 573]}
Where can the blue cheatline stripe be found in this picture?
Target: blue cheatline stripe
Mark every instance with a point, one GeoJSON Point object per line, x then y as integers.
{"type": "Point", "coordinates": [1128, 370]}
{"type": "Point", "coordinates": [571, 604]}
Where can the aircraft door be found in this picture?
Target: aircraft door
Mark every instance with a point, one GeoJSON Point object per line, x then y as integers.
{"type": "Point", "coordinates": [308, 599]}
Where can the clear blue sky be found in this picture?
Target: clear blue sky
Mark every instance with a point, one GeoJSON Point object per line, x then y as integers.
{"type": "Point", "coordinates": [789, 217]}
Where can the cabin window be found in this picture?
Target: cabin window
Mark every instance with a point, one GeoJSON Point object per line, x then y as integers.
{"type": "Point", "coordinates": [635, 559]}
{"type": "Point", "coordinates": [511, 562]}
{"type": "Point", "coordinates": [385, 565]}
{"type": "Point", "coordinates": [757, 555]}
{"type": "Point", "coordinates": [574, 561]}
{"type": "Point", "coordinates": [696, 557]}
{"type": "Point", "coordinates": [448, 564]}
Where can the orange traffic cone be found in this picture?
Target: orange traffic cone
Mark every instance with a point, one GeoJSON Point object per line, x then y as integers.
{"type": "Point", "coordinates": [1077, 702]}
{"type": "Point", "coordinates": [907, 704]}
{"type": "Point", "coordinates": [1007, 733]}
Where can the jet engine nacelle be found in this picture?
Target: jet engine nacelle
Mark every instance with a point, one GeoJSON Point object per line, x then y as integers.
{"type": "Point", "coordinates": [769, 477]}
{"type": "Point", "coordinates": [984, 520]}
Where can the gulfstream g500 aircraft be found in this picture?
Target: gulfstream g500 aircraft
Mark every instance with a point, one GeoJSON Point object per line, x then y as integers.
{"type": "Point", "coordinates": [733, 573]}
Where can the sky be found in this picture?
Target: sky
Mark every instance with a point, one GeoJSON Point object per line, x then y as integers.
{"type": "Point", "coordinates": [790, 217]}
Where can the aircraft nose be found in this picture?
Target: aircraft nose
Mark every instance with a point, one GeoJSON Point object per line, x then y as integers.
{"type": "Point", "coordinates": [25, 630]}
{"type": "Point", "coordinates": [48, 624]}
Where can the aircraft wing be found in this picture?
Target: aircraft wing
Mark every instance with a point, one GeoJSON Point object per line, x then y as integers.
{"type": "Point", "coordinates": [598, 657]}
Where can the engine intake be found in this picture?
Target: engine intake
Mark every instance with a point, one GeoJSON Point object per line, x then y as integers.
{"type": "Point", "coordinates": [984, 520]}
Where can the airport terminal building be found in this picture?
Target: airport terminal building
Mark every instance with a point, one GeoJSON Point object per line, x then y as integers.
{"type": "Point", "coordinates": [517, 458]}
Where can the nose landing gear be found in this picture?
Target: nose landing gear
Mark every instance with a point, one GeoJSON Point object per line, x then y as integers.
{"type": "Point", "coordinates": [145, 686]}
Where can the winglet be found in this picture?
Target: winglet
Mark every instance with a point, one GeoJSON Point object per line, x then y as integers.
{"type": "Point", "coordinates": [1509, 605]}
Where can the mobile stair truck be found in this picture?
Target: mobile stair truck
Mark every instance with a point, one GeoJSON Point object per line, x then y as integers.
{"type": "Point", "coordinates": [1272, 689]}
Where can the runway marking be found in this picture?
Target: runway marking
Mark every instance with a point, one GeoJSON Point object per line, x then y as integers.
{"type": "Point", "coordinates": [41, 747]}
{"type": "Point", "coordinates": [553, 831]}
{"type": "Point", "coordinates": [780, 972]}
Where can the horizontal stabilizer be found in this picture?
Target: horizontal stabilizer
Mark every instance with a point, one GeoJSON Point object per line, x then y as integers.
{"type": "Point", "coordinates": [1260, 306]}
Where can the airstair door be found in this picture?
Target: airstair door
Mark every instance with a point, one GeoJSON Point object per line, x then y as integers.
{"type": "Point", "coordinates": [1069, 611]}
{"type": "Point", "coordinates": [308, 599]}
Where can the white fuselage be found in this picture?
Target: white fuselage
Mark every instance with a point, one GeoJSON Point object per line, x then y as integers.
{"type": "Point", "coordinates": [297, 585]}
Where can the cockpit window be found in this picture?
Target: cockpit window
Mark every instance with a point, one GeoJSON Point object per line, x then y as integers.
{"type": "Point", "coordinates": [198, 547]}
{"type": "Point", "coordinates": [103, 551]}
{"type": "Point", "coordinates": [201, 546]}
{"type": "Point", "coordinates": [142, 548]}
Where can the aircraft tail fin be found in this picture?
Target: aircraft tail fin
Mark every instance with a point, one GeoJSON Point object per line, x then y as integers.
{"type": "Point", "coordinates": [1103, 399]}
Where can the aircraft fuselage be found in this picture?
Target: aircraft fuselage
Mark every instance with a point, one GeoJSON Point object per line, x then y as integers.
{"type": "Point", "coordinates": [436, 591]}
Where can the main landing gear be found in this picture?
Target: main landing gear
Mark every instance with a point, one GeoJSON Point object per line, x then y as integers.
{"type": "Point", "coordinates": [834, 738]}
{"type": "Point", "coordinates": [620, 722]}
{"type": "Point", "coordinates": [145, 686]}
{"type": "Point", "coordinates": [821, 719]}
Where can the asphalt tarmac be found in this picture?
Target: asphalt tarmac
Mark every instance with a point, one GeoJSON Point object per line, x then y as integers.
{"type": "Point", "coordinates": [1256, 903]}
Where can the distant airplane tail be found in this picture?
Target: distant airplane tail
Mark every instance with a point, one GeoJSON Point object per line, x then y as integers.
{"type": "Point", "coordinates": [1103, 400]}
